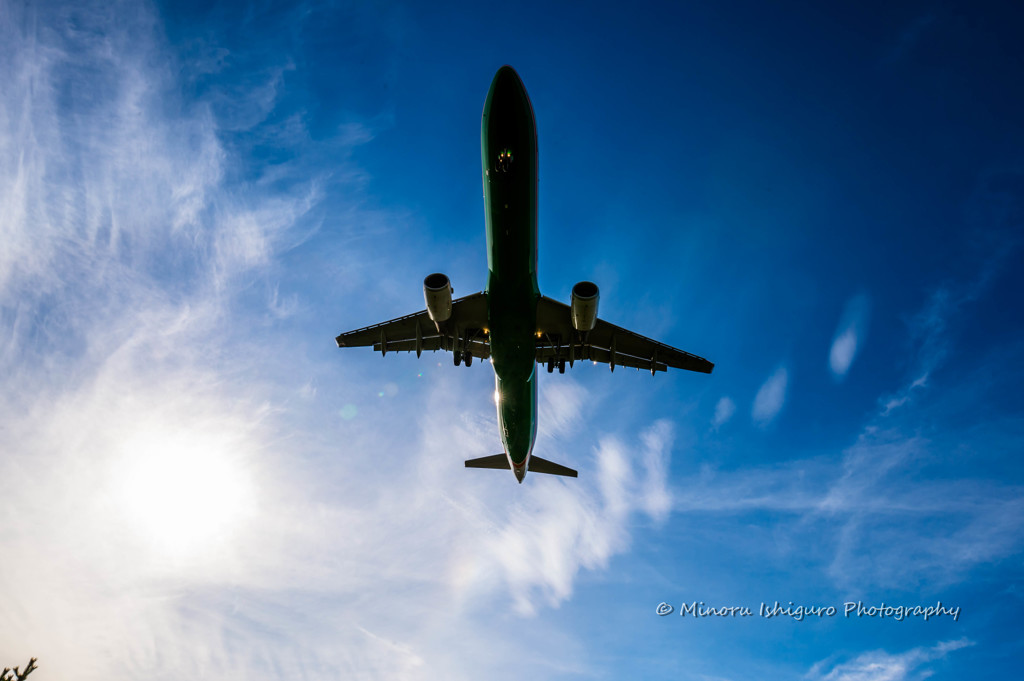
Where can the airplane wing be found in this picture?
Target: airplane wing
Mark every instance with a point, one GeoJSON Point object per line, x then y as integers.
{"type": "Point", "coordinates": [465, 330]}
{"type": "Point", "coordinates": [558, 341]}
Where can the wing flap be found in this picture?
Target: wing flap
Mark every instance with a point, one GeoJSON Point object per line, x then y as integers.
{"type": "Point", "coordinates": [623, 360]}
{"type": "Point", "coordinates": [479, 349]}
{"type": "Point", "coordinates": [589, 353]}
{"type": "Point", "coordinates": [398, 329]}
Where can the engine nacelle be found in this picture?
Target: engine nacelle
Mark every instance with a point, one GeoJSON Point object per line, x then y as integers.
{"type": "Point", "coordinates": [583, 304]}
{"type": "Point", "coordinates": [437, 291]}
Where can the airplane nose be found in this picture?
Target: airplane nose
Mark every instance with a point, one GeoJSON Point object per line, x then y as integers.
{"type": "Point", "coordinates": [507, 77]}
{"type": "Point", "coordinates": [507, 86]}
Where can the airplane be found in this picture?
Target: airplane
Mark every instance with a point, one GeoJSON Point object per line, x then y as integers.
{"type": "Point", "coordinates": [510, 322]}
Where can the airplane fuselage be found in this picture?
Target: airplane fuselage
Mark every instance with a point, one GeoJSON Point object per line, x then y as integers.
{"type": "Point", "coordinates": [510, 322]}
{"type": "Point", "coordinates": [508, 142]}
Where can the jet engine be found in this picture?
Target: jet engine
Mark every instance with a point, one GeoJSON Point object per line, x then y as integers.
{"type": "Point", "coordinates": [583, 304]}
{"type": "Point", "coordinates": [437, 291]}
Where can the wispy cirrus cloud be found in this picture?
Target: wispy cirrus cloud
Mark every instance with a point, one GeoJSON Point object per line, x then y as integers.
{"type": "Point", "coordinates": [878, 665]}
{"type": "Point", "coordinates": [724, 409]}
{"type": "Point", "coordinates": [888, 526]}
{"type": "Point", "coordinates": [770, 397]}
{"type": "Point", "coordinates": [134, 422]}
{"type": "Point", "coordinates": [899, 529]}
{"type": "Point", "coordinates": [536, 541]}
{"type": "Point", "coordinates": [849, 335]}
{"type": "Point", "coordinates": [892, 524]}
{"type": "Point", "coordinates": [134, 392]}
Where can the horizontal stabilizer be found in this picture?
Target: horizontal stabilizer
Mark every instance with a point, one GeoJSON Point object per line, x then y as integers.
{"type": "Point", "coordinates": [497, 461]}
{"type": "Point", "coordinates": [539, 465]}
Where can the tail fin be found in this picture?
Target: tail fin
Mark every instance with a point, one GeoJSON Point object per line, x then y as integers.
{"type": "Point", "coordinates": [499, 461]}
{"type": "Point", "coordinates": [539, 465]}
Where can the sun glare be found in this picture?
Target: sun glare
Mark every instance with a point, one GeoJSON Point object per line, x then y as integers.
{"type": "Point", "coordinates": [183, 494]}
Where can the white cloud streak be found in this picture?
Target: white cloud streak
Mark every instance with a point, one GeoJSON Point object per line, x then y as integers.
{"type": "Point", "coordinates": [770, 398]}
{"type": "Point", "coordinates": [888, 526]}
{"type": "Point", "coordinates": [534, 540]}
{"type": "Point", "coordinates": [849, 335]}
{"type": "Point", "coordinates": [879, 665]}
{"type": "Point", "coordinates": [724, 409]}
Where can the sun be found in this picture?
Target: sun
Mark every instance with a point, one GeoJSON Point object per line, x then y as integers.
{"type": "Point", "coordinates": [183, 492]}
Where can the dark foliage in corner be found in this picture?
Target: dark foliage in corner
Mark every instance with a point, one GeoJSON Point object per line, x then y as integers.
{"type": "Point", "coordinates": [5, 675]}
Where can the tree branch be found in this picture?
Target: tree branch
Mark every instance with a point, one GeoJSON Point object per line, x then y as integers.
{"type": "Point", "coordinates": [5, 675]}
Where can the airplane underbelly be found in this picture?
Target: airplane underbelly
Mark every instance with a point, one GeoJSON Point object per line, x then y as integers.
{"type": "Point", "coordinates": [512, 320]}
{"type": "Point", "coordinates": [517, 415]}
{"type": "Point", "coordinates": [508, 147]}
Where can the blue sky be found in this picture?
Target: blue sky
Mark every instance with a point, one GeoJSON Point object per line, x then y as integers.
{"type": "Point", "coordinates": [195, 199]}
